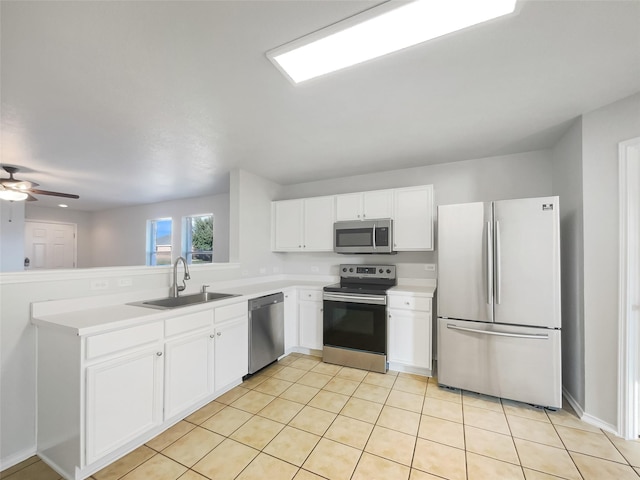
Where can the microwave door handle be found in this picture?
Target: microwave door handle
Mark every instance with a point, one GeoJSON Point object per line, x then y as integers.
{"type": "Point", "coordinates": [373, 232]}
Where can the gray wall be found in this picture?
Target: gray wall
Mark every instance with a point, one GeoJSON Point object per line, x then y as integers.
{"type": "Point", "coordinates": [567, 184]}
{"type": "Point", "coordinates": [602, 130]}
{"type": "Point", "coordinates": [119, 235]}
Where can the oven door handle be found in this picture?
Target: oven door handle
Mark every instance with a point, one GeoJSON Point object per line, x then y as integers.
{"type": "Point", "coordinates": [373, 299]}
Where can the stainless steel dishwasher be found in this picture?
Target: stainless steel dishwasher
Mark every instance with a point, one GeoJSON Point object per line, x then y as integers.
{"type": "Point", "coordinates": [266, 330]}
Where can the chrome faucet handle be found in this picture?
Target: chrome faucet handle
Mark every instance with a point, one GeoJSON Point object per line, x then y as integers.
{"type": "Point", "coordinates": [204, 288]}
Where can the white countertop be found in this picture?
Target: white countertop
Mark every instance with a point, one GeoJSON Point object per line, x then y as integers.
{"type": "Point", "coordinates": [82, 317]}
{"type": "Point", "coordinates": [93, 315]}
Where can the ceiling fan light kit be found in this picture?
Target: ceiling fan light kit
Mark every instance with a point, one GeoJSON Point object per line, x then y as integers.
{"type": "Point", "coordinates": [14, 190]}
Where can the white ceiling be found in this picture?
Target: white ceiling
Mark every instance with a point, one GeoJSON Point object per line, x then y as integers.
{"type": "Point", "coordinates": [140, 102]}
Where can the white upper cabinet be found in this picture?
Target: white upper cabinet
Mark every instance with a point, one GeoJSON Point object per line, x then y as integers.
{"type": "Point", "coordinates": [318, 224]}
{"type": "Point", "coordinates": [305, 224]}
{"type": "Point", "coordinates": [287, 217]}
{"type": "Point", "coordinates": [364, 205]}
{"type": "Point", "coordinates": [413, 218]}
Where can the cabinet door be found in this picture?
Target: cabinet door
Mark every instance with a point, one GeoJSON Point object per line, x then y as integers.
{"type": "Point", "coordinates": [378, 204]}
{"type": "Point", "coordinates": [231, 352]}
{"type": "Point", "coordinates": [413, 218]}
{"type": "Point", "coordinates": [188, 372]}
{"type": "Point", "coordinates": [409, 339]}
{"type": "Point", "coordinates": [287, 225]}
{"type": "Point", "coordinates": [124, 400]}
{"type": "Point", "coordinates": [290, 320]}
{"type": "Point", "coordinates": [310, 324]}
{"type": "Point", "coordinates": [349, 206]}
{"type": "Point", "coordinates": [318, 224]}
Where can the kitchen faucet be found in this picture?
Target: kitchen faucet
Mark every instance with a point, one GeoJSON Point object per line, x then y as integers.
{"type": "Point", "coordinates": [177, 289]}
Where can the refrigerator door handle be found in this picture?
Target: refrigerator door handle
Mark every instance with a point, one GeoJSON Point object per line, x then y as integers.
{"type": "Point", "coordinates": [535, 336]}
{"type": "Point", "coordinates": [498, 272]}
{"type": "Point", "coordinates": [489, 265]}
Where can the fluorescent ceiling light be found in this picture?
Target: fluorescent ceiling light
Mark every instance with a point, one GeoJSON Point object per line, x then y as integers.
{"type": "Point", "coordinates": [380, 31]}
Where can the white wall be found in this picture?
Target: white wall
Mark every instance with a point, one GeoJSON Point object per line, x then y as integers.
{"type": "Point", "coordinates": [251, 226]}
{"type": "Point", "coordinates": [82, 219]}
{"type": "Point", "coordinates": [494, 178]}
{"type": "Point", "coordinates": [11, 236]}
{"type": "Point", "coordinates": [119, 235]}
{"type": "Point", "coordinates": [603, 129]}
{"type": "Point", "coordinates": [567, 184]}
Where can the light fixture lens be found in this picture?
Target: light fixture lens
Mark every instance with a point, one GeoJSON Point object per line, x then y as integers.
{"type": "Point", "coordinates": [345, 43]}
{"type": "Point", "coordinates": [12, 195]}
{"type": "Point", "coordinates": [62, 205]}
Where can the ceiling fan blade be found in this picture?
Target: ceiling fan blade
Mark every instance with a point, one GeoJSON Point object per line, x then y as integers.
{"type": "Point", "coordinates": [31, 198]}
{"type": "Point", "coordinates": [54, 194]}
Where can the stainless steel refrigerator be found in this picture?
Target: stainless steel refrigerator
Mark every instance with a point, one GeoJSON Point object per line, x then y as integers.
{"type": "Point", "coordinates": [499, 299]}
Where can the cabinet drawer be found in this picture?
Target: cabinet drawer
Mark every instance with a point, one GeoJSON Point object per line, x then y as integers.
{"type": "Point", "coordinates": [409, 302]}
{"type": "Point", "coordinates": [312, 295]}
{"type": "Point", "coordinates": [222, 314]}
{"type": "Point", "coordinates": [188, 323]}
{"type": "Point", "coordinates": [125, 339]}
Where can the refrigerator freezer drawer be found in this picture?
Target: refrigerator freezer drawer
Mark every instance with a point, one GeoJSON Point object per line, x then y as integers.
{"type": "Point", "coordinates": [518, 363]}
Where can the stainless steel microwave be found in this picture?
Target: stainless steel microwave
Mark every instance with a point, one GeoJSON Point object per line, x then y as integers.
{"type": "Point", "coordinates": [366, 236]}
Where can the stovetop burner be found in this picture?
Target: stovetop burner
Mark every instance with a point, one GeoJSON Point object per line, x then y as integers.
{"type": "Point", "coordinates": [364, 279]}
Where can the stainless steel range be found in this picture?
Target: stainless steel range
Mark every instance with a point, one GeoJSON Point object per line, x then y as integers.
{"type": "Point", "coordinates": [355, 317]}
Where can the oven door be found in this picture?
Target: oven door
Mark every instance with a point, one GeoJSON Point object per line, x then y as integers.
{"type": "Point", "coordinates": [357, 322]}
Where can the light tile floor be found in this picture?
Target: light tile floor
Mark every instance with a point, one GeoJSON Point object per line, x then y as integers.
{"type": "Point", "coordinates": [303, 419]}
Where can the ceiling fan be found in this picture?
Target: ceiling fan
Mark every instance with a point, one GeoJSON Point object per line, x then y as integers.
{"type": "Point", "coordinates": [16, 190]}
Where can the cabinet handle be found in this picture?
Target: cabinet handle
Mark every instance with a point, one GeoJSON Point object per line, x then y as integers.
{"type": "Point", "coordinates": [304, 246]}
{"type": "Point", "coordinates": [299, 246]}
{"type": "Point", "coordinates": [322, 309]}
{"type": "Point", "coordinates": [159, 354]}
{"type": "Point", "coordinates": [406, 303]}
{"type": "Point", "coordinates": [219, 333]}
{"type": "Point", "coordinates": [211, 336]}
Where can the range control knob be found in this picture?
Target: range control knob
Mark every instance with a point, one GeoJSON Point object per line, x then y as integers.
{"type": "Point", "coordinates": [351, 270]}
{"type": "Point", "coordinates": [344, 269]}
{"type": "Point", "coordinates": [388, 270]}
{"type": "Point", "coordinates": [380, 271]}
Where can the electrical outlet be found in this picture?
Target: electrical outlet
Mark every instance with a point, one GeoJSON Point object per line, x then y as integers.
{"type": "Point", "coordinates": [99, 284]}
{"type": "Point", "coordinates": [430, 267]}
{"type": "Point", "coordinates": [125, 282]}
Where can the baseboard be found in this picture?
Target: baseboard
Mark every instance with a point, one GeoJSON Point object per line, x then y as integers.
{"type": "Point", "coordinates": [16, 458]}
{"type": "Point", "coordinates": [587, 418]}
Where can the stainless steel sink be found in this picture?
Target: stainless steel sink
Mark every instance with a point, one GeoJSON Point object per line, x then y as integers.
{"type": "Point", "coordinates": [183, 301]}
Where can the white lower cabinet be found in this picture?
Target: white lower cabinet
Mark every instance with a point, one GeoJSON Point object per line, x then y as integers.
{"type": "Point", "coordinates": [409, 333]}
{"type": "Point", "coordinates": [290, 320]}
{"type": "Point", "coordinates": [188, 376]}
{"type": "Point", "coordinates": [124, 400]}
{"type": "Point", "coordinates": [99, 396]}
{"type": "Point", "coordinates": [188, 372]}
{"type": "Point", "coordinates": [231, 351]}
{"type": "Point", "coordinates": [310, 319]}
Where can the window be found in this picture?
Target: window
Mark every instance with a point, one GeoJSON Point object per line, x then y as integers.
{"type": "Point", "coordinates": [159, 241]}
{"type": "Point", "coordinates": [198, 239]}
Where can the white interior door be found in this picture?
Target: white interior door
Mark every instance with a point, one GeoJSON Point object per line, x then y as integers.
{"type": "Point", "coordinates": [629, 306]}
{"type": "Point", "coordinates": [50, 245]}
